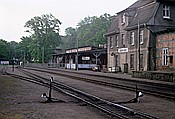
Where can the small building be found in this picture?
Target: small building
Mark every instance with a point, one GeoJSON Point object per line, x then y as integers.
{"type": "Point", "coordinates": [165, 50]}
{"type": "Point", "coordinates": [88, 57]}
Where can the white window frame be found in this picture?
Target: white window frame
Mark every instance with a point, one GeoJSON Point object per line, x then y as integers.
{"type": "Point", "coordinates": [111, 42]}
{"type": "Point", "coordinates": [123, 39]}
{"type": "Point", "coordinates": [166, 11]}
{"type": "Point", "coordinates": [141, 36]}
{"type": "Point", "coordinates": [123, 18]}
{"type": "Point", "coordinates": [117, 40]}
{"type": "Point", "coordinates": [165, 57]}
{"type": "Point", "coordinates": [132, 38]}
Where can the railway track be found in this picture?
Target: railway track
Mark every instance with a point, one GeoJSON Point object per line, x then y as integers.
{"type": "Point", "coordinates": [3, 70]}
{"type": "Point", "coordinates": [158, 90]}
{"type": "Point", "coordinates": [112, 109]}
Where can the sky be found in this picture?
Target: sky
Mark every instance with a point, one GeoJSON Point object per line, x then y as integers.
{"type": "Point", "coordinates": [15, 13]}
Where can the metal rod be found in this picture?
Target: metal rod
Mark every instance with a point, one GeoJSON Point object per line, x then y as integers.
{"type": "Point", "coordinates": [50, 90]}
{"type": "Point", "coordinates": [77, 56]}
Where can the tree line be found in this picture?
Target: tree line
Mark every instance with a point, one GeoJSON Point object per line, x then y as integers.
{"type": "Point", "coordinates": [44, 37]}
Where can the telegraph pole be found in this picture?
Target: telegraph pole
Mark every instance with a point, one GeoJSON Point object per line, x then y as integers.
{"type": "Point", "coordinates": [139, 44]}
{"type": "Point", "coordinates": [77, 56]}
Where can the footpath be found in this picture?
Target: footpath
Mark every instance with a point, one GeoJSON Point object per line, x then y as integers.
{"type": "Point", "coordinates": [116, 75]}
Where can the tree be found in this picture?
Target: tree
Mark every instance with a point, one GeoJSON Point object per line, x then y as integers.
{"type": "Point", "coordinates": [45, 36]}
{"type": "Point", "coordinates": [14, 51]}
{"type": "Point", "coordinates": [24, 47]}
{"type": "Point", "coordinates": [72, 36]}
{"type": "Point", "coordinates": [90, 30]}
{"type": "Point", "coordinates": [4, 50]}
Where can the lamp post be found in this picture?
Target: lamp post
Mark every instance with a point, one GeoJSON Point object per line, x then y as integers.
{"type": "Point", "coordinates": [77, 56]}
{"type": "Point", "coordinates": [24, 58]}
{"type": "Point", "coordinates": [13, 64]}
{"type": "Point", "coordinates": [138, 44]}
{"type": "Point", "coordinates": [43, 53]}
{"type": "Point", "coordinates": [138, 37]}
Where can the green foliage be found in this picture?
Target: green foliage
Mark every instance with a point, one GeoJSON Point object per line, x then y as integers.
{"type": "Point", "coordinates": [4, 50]}
{"type": "Point", "coordinates": [72, 35]}
{"type": "Point", "coordinates": [24, 47]}
{"type": "Point", "coordinates": [89, 31]}
{"type": "Point", "coordinates": [9, 50]}
{"type": "Point", "coordinates": [45, 35]}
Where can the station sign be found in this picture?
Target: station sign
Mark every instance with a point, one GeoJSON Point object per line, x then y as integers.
{"type": "Point", "coordinates": [86, 58]}
{"type": "Point", "coordinates": [122, 50]}
{"type": "Point", "coordinates": [79, 50]}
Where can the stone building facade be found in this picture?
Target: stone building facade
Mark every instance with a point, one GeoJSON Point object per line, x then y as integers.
{"type": "Point", "coordinates": [132, 34]}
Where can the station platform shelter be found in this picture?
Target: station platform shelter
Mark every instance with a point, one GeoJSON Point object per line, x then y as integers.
{"type": "Point", "coordinates": [87, 57]}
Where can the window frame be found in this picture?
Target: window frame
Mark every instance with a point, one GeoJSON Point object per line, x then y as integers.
{"type": "Point", "coordinates": [123, 18]}
{"type": "Point", "coordinates": [122, 39]}
{"type": "Point", "coordinates": [117, 41]}
{"type": "Point", "coordinates": [165, 57]}
{"type": "Point", "coordinates": [166, 12]}
{"type": "Point", "coordinates": [141, 37]}
{"type": "Point", "coordinates": [141, 60]}
{"type": "Point", "coordinates": [131, 61]}
{"type": "Point", "coordinates": [132, 38]}
{"type": "Point", "coordinates": [111, 42]}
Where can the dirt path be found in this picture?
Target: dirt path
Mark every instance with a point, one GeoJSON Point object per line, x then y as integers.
{"type": "Point", "coordinates": [22, 100]}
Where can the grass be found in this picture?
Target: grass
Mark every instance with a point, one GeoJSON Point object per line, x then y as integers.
{"type": "Point", "coordinates": [7, 88]}
{"type": "Point", "coordinates": [15, 116]}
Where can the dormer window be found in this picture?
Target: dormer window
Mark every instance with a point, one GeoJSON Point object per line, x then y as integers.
{"type": "Point", "coordinates": [123, 18]}
{"type": "Point", "coordinates": [166, 11]}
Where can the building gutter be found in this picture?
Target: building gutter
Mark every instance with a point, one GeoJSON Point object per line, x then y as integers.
{"type": "Point", "coordinates": [110, 33]}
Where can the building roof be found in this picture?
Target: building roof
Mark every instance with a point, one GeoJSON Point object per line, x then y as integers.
{"type": "Point", "coordinates": [166, 0]}
{"type": "Point", "coordinates": [113, 29]}
{"type": "Point", "coordinates": [145, 13]}
{"type": "Point", "coordinates": [83, 52]}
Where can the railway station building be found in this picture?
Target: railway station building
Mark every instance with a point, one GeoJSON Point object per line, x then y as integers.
{"type": "Point", "coordinates": [132, 35]}
{"type": "Point", "coordinates": [88, 57]}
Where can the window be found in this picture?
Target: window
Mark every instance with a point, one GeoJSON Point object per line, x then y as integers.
{"type": "Point", "coordinates": [141, 37]}
{"type": "Point", "coordinates": [165, 56]}
{"type": "Point", "coordinates": [166, 11]}
{"type": "Point", "coordinates": [171, 59]}
{"type": "Point", "coordinates": [132, 38]}
{"type": "Point", "coordinates": [123, 18]}
{"type": "Point", "coordinates": [141, 60]}
{"type": "Point", "coordinates": [123, 38]}
{"type": "Point", "coordinates": [117, 40]}
{"type": "Point", "coordinates": [116, 61]}
{"type": "Point", "coordinates": [111, 42]}
{"type": "Point", "coordinates": [132, 61]}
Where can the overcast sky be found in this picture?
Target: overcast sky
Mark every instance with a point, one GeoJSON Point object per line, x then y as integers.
{"type": "Point", "coordinates": [15, 13]}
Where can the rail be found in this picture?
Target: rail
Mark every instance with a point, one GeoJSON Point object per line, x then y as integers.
{"type": "Point", "coordinates": [112, 109]}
